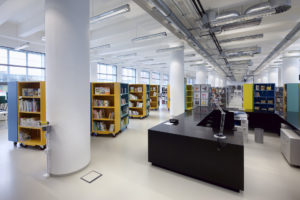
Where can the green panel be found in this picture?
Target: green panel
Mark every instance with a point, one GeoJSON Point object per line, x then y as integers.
{"type": "Point", "coordinates": [292, 97]}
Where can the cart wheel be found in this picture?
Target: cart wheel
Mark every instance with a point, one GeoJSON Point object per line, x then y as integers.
{"type": "Point", "coordinates": [114, 135]}
{"type": "Point", "coordinates": [15, 144]}
{"type": "Point", "coordinates": [23, 145]}
{"type": "Point", "coordinates": [42, 147]}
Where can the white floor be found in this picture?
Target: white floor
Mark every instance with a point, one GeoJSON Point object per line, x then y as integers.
{"type": "Point", "coordinates": [128, 175]}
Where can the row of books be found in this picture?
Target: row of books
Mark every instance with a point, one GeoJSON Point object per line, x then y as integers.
{"type": "Point", "coordinates": [154, 94]}
{"type": "Point", "coordinates": [31, 92]}
{"type": "Point", "coordinates": [133, 112]}
{"type": "Point", "coordinates": [263, 87]}
{"type": "Point", "coordinates": [29, 105]}
{"type": "Point", "coordinates": [123, 101]}
{"type": "Point", "coordinates": [136, 104]}
{"type": "Point", "coordinates": [102, 90]}
{"type": "Point", "coordinates": [99, 102]}
{"type": "Point", "coordinates": [101, 126]}
{"type": "Point", "coordinates": [263, 101]}
{"type": "Point", "coordinates": [136, 89]}
{"type": "Point", "coordinates": [124, 90]}
{"type": "Point", "coordinates": [133, 97]}
{"type": "Point", "coordinates": [30, 122]}
{"type": "Point", "coordinates": [100, 114]}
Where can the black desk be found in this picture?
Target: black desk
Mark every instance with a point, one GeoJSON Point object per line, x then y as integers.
{"type": "Point", "coordinates": [193, 151]}
{"type": "Point", "coordinates": [272, 121]}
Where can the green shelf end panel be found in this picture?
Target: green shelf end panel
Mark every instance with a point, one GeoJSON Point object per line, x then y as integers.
{"type": "Point", "coordinates": [292, 97]}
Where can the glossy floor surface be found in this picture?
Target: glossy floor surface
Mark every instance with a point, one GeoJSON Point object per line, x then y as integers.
{"type": "Point", "coordinates": [128, 175]}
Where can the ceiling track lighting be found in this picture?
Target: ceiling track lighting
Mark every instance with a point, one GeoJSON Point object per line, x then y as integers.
{"type": "Point", "coordinates": [127, 55]}
{"type": "Point", "coordinates": [190, 55]}
{"type": "Point", "coordinates": [169, 49]}
{"type": "Point", "coordinates": [23, 46]}
{"type": "Point", "coordinates": [146, 60]}
{"type": "Point", "coordinates": [193, 61]}
{"type": "Point", "coordinates": [149, 37]}
{"type": "Point", "coordinates": [155, 64]}
{"type": "Point", "coordinates": [105, 46]}
{"type": "Point", "coordinates": [111, 13]}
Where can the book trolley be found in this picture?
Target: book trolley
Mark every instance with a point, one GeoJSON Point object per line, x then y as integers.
{"type": "Point", "coordinates": [154, 91]}
{"type": "Point", "coordinates": [109, 108]}
{"type": "Point", "coordinates": [189, 97]}
{"type": "Point", "coordinates": [27, 109]}
{"type": "Point", "coordinates": [139, 100]}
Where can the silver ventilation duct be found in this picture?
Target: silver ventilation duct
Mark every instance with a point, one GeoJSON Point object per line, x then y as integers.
{"type": "Point", "coordinates": [241, 62]}
{"type": "Point", "coordinates": [289, 38]}
{"type": "Point", "coordinates": [171, 17]}
{"type": "Point", "coordinates": [246, 51]}
{"type": "Point", "coordinates": [258, 11]}
{"type": "Point", "coordinates": [248, 37]}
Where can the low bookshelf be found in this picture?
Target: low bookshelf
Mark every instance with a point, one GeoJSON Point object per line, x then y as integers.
{"type": "Point", "coordinates": [154, 102]}
{"type": "Point", "coordinates": [105, 108]}
{"type": "Point", "coordinates": [138, 100]}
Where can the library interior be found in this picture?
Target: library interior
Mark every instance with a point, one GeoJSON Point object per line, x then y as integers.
{"type": "Point", "coordinates": [150, 99]}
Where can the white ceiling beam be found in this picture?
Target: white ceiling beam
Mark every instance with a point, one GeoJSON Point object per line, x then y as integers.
{"type": "Point", "coordinates": [32, 26]}
{"type": "Point", "coordinates": [11, 7]}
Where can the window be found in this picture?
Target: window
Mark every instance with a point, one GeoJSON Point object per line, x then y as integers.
{"type": "Point", "coordinates": [106, 73]}
{"type": "Point", "coordinates": [17, 58]}
{"type": "Point", "coordinates": [155, 78]}
{"type": "Point", "coordinates": [190, 81]}
{"type": "Point", "coordinates": [3, 56]}
{"type": "Point", "coordinates": [21, 65]}
{"type": "Point", "coordinates": [128, 75]}
{"type": "Point", "coordinates": [145, 77]}
{"type": "Point", "coordinates": [165, 79]}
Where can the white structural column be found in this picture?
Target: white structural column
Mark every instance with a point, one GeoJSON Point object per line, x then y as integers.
{"type": "Point", "coordinates": [273, 76]}
{"type": "Point", "coordinates": [280, 77]}
{"type": "Point", "coordinates": [119, 73]}
{"type": "Point", "coordinates": [201, 75]}
{"type": "Point", "coordinates": [67, 83]}
{"type": "Point", "coordinates": [290, 70]}
{"type": "Point", "coordinates": [93, 72]}
{"type": "Point", "coordinates": [211, 78]}
{"type": "Point", "coordinates": [176, 78]}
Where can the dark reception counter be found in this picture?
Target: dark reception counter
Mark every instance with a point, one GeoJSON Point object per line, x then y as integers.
{"type": "Point", "coordinates": [192, 150]}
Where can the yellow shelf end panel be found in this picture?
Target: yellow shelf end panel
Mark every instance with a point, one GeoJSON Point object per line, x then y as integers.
{"type": "Point", "coordinates": [248, 97]}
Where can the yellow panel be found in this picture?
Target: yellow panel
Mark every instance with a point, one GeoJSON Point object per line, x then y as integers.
{"type": "Point", "coordinates": [248, 97]}
{"type": "Point", "coordinates": [168, 97]}
{"type": "Point", "coordinates": [41, 139]}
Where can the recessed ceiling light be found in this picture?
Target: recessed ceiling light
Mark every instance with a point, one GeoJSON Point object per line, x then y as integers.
{"type": "Point", "coordinates": [111, 13]}
{"type": "Point", "coordinates": [169, 49]}
{"type": "Point", "coordinates": [149, 37]}
{"type": "Point", "coordinates": [105, 46]}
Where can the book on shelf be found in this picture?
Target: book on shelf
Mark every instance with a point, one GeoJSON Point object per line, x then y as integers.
{"type": "Point", "coordinates": [30, 122]}
{"type": "Point", "coordinates": [133, 97]}
{"type": "Point", "coordinates": [100, 102]}
{"type": "Point", "coordinates": [123, 101]}
{"type": "Point", "coordinates": [111, 115]}
{"type": "Point", "coordinates": [111, 128]}
{"type": "Point", "coordinates": [139, 104]}
{"type": "Point", "coordinates": [102, 90]}
{"type": "Point", "coordinates": [31, 92]}
{"type": "Point", "coordinates": [29, 105]}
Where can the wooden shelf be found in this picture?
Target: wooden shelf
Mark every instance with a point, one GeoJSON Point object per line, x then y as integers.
{"type": "Point", "coordinates": [29, 97]}
{"type": "Point", "coordinates": [103, 119]}
{"type": "Point", "coordinates": [135, 99]}
{"type": "Point", "coordinates": [22, 112]}
{"type": "Point", "coordinates": [103, 95]}
{"type": "Point", "coordinates": [27, 127]}
{"type": "Point", "coordinates": [104, 107]}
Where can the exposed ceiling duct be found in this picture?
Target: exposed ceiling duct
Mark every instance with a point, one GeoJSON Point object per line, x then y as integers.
{"type": "Point", "coordinates": [242, 52]}
{"type": "Point", "coordinates": [164, 10]}
{"type": "Point", "coordinates": [241, 62]}
{"type": "Point", "coordinates": [243, 38]}
{"type": "Point", "coordinates": [258, 11]}
{"type": "Point", "coordinates": [289, 38]}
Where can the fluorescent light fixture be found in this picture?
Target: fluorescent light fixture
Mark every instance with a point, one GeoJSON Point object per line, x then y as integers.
{"type": "Point", "coordinates": [248, 37]}
{"type": "Point", "coordinates": [190, 55]}
{"type": "Point", "coordinates": [127, 55]}
{"type": "Point", "coordinates": [146, 60]}
{"type": "Point", "coordinates": [43, 38]}
{"type": "Point", "coordinates": [241, 62]}
{"type": "Point", "coordinates": [193, 61]}
{"type": "Point", "coordinates": [105, 46]}
{"type": "Point", "coordinates": [239, 25]}
{"type": "Point", "coordinates": [196, 65]}
{"type": "Point", "coordinates": [158, 64]}
{"type": "Point", "coordinates": [23, 46]}
{"type": "Point", "coordinates": [169, 49]}
{"type": "Point", "coordinates": [149, 37]}
{"type": "Point", "coordinates": [111, 13]}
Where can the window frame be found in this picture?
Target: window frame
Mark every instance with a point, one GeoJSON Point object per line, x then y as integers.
{"type": "Point", "coordinates": [123, 77]}
{"type": "Point", "coordinates": [99, 73]}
